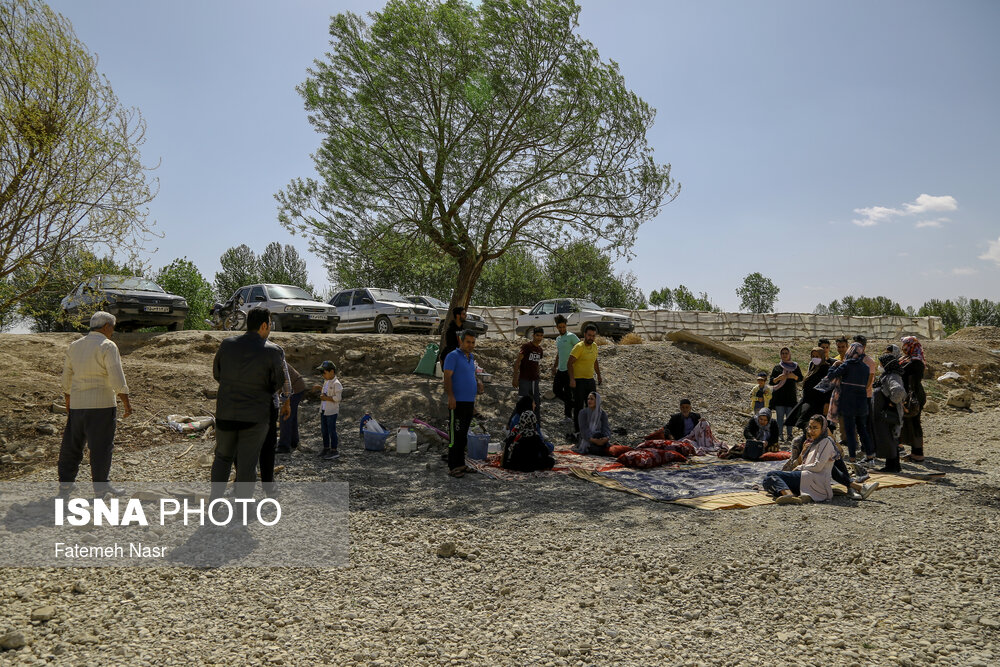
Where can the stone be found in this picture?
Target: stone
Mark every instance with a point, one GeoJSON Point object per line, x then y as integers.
{"type": "Point", "coordinates": [7, 459]}
{"type": "Point", "coordinates": [80, 587]}
{"type": "Point", "coordinates": [949, 377]}
{"type": "Point", "coordinates": [210, 392]}
{"type": "Point", "coordinates": [58, 408]}
{"type": "Point", "coordinates": [12, 641]}
{"type": "Point", "coordinates": [348, 392]}
{"type": "Point", "coordinates": [989, 622]}
{"type": "Point", "coordinates": [446, 550]}
{"type": "Point", "coordinates": [46, 613]}
{"type": "Point", "coordinates": [45, 429]}
{"type": "Point", "coordinates": [931, 407]}
{"type": "Point", "coordinates": [960, 398]}
{"type": "Point", "coordinates": [354, 355]}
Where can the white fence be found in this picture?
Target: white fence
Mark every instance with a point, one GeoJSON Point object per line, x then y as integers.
{"type": "Point", "coordinates": [744, 326]}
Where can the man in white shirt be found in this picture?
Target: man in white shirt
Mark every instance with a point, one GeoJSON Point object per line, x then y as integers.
{"type": "Point", "coordinates": [92, 377]}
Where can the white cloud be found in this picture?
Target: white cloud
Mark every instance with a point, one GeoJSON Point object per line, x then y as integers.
{"type": "Point", "coordinates": [872, 215]}
{"type": "Point", "coordinates": [964, 271]}
{"type": "Point", "coordinates": [936, 223]}
{"type": "Point", "coordinates": [992, 253]}
{"type": "Point", "coordinates": [925, 203]}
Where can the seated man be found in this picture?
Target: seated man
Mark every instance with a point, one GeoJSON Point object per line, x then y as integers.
{"type": "Point", "coordinates": [682, 424]}
{"type": "Point", "coordinates": [762, 429]}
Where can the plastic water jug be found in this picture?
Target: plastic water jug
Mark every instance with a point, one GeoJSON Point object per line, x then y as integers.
{"type": "Point", "coordinates": [406, 441]}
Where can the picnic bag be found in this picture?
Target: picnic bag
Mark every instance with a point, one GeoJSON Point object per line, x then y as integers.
{"type": "Point", "coordinates": [752, 450]}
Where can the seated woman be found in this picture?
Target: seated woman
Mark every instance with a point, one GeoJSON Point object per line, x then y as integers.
{"type": "Point", "coordinates": [524, 449]}
{"type": "Point", "coordinates": [762, 429]}
{"type": "Point", "coordinates": [527, 404]}
{"type": "Point", "coordinates": [810, 480]}
{"type": "Point", "coordinates": [595, 431]}
{"type": "Point", "coordinates": [840, 473]}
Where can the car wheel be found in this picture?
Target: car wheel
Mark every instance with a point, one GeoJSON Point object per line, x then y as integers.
{"type": "Point", "coordinates": [235, 321]}
{"type": "Point", "coordinates": [332, 328]}
{"type": "Point", "coordinates": [383, 325]}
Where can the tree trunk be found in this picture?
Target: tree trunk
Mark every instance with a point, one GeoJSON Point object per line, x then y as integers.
{"type": "Point", "coordinates": [469, 270]}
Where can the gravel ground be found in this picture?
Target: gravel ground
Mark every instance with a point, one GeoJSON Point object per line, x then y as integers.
{"type": "Point", "coordinates": [554, 571]}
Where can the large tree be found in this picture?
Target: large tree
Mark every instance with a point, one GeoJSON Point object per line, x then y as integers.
{"type": "Point", "coordinates": [239, 268]}
{"type": "Point", "coordinates": [282, 265]}
{"type": "Point", "coordinates": [476, 128]}
{"type": "Point", "coordinates": [182, 277]}
{"type": "Point", "coordinates": [758, 293]}
{"type": "Point", "coordinates": [581, 270]}
{"type": "Point", "coordinates": [517, 278]}
{"type": "Point", "coordinates": [70, 168]}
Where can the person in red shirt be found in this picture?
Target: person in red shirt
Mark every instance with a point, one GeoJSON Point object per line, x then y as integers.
{"type": "Point", "coordinates": [527, 374]}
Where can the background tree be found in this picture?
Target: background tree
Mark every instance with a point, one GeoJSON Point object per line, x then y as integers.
{"type": "Point", "coordinates": [476, 128]}
{"type": "Point", "coordinates": [282, 265]}
{"type": "Point", "coordinates": [8, 313]}
{"type": "Point", "coordinates": [862, 306]}
{"type": "Point", "coordinates": [70, 167]}
{"type": "Point", "coordinates": [662, 298]}
{"type": "Point", "coordinates": [581, 270]}
{"type": "Point", "coordinates": [40, 295]}
{"type": "Point", "coordinates": [757, 294]}
{"type": "Point", "coordinates": [517, 278]}
{"type": "Point", "coordinates": [962, 312]}
{"type": "Point", "coordinates": [392, 260]}
{"type": "Point", "coordinates": [239, 268]}
{"type": "Point", "coordinates": [684, 299]}
{"type": "Point", "coordinates": [183, 278]}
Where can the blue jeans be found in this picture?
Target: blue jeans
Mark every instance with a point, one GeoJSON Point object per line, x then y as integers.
{"type": "Point", "coordinates": [289, 428]}
{"type": "Point", "coordinates": [328, 429]}
{"type": "Point", "coordinates": [853, 426]}
{"type": "Point", "coordinates": [531, 388]}
{"type": "Point", "coordinates": [777, 481]}
{"type": "Point", "coordinates": [782, 411]}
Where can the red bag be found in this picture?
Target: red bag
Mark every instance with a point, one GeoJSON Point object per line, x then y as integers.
{"type": "Point", "coordinates": [656, 444]}
{"type": "Point", "coordinates": [658, 434]}
{"type": "Point", "coordinates": [685, 448]}
{"type": "Point", "coordinates": [618, 450]}
{"type": "Point", "coordinates": [650, 458]}
{"type": "Point", "coordinates": [775, 456]}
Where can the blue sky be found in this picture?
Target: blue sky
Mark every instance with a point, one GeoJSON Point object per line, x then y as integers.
{"type": "Point", "coordinates": [838, 148]}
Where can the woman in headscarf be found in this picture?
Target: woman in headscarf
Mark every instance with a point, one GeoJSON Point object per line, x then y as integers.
{"type": "Point", "coordinates": [850, 399]}
{"type": "Point", "coordinates": [783, 394]}
{"type": "Point", "coordinates": [595, 431]}
{"type": "Point", "coordinates": [887, 411]}
{"type": "Point", "coordinates": [527, 404]}
{"type": "Point", "coordinates": [813, 400]}
{"type": "Point", "coordinates": [912, 364]}
{"type": "Point", "coordinates": [524, 449]}
{"type": "Point", "coordinates": [762, 428]}
{"type": "Point", "coordinates": [811, 480]}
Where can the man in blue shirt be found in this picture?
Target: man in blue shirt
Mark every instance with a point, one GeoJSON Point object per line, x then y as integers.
{"type": "Point", "coordinates": [461, 385]}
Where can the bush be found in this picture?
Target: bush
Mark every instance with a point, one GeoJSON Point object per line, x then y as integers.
{"type": "Point", "coordinates": [631, 339]}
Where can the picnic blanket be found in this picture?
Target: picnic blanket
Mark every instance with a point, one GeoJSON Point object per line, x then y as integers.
{"type": "Point", "coordinates": [639, 482]}
{"type": "Point", "coordinates": [566, 460]}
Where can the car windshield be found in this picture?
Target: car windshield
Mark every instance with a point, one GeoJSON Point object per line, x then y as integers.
{"type": "Point", "coordinates": [436, 303]}
{"type": "Point", "coordinates": [287, 292]}
{"type": "Point", "coordinates": [387, 295]}
{"type": "Point", "coordinates": [586, 305]}
{"type": "Point", "coordinates": [131, 283]}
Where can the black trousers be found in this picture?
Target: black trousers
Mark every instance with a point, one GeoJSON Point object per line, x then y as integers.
{"type": "Point", "coordinates": [95, 428]}
{"type": "Point", "coordinates": [840, 473]}
{"type": "Point", "coordinates": [266, 458]}
{"type": "Point", "coordinates": [459, 420]}
{"type": "Point", "coordinates": [562, 390]}
{"type": "Point", "coordinates": [583, 389]}
{"type": "Point", "coordinates": [913, 435]}
{"type": "Point", "coordinates": [241, 448]}
{"type": "Point", "coordinates": [289, 428]}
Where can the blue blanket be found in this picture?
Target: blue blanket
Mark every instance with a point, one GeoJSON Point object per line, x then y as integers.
{"type": "Point", "coordinates": [694, 481]}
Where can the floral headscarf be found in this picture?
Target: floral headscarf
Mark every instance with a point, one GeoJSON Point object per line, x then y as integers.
{"type": "Point", "coordinates": [911, 349]}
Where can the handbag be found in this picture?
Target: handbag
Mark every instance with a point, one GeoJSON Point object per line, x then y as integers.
{"type": "Point", "coordinates": [752, 450]}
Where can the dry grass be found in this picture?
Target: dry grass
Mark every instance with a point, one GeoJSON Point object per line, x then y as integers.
{"type": "Point", "coordinates": [631, 339]}
{"type": "Point", "coordinates": [601, 340]}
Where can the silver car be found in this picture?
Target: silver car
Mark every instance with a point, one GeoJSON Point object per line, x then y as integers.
{"type": "Point", "coordinates": [292, 309]}
{"type": "Point", "coordinates": [474, 322]}
{"type": "Point", "coordinates": [382, 311]}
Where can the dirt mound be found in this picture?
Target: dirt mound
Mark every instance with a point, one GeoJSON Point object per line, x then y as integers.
{"type": "Point", "coordinates": [987, 335]}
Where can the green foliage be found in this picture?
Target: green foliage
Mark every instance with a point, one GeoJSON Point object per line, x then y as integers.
{"type": "Point", "coordinates": [862, 306]}
{"type": "Point", "coordinates": [476, 128]}
{"type": "Point", "coordinates": [393, 260]}
{"type": "Point", "coordinates": [681, 299]}
{"type": "Point", "coordinates": [41, 295]}
{"type": "Point", "coordinates": [183, 278]}
{"type": "Point", "coordinates": [581, 270]}
{"type": "Point", "coordinates": [71, 175]}
{"type": "Point", "coordinates": [962, 312]}
{"type": "Point", "coordinates": [239, 268]}
{"type": "Point", "coordinates": [662, 298]}
{"type": "Point", "coordinates": [8, 313]}
{"type": "Point", "coordinates": [757, 294]}
{"type": "Point", "coordinates": [517, 278]}
{"type": "Point", "coordinates": [282, 265]}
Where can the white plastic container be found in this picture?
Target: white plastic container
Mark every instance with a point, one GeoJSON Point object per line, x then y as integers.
{"type": "Point", "coordinates": [406, 441]}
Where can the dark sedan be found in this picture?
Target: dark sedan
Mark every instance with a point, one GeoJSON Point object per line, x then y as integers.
{"type": "Point", "coordinates": [135, 302]}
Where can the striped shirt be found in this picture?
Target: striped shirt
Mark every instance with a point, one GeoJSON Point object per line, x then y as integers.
{"type": "Point", "coordinates": [92, 374]}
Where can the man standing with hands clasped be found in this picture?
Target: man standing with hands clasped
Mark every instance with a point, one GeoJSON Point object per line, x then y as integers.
{"type": "Point", "coordinates": [92, 377]}
{"type": "Point", "coordinates": [582, 367]}
{"type": "Point", "coordinates": [461, 385]}
{"type": "Point", "coordinates": [527, 370]}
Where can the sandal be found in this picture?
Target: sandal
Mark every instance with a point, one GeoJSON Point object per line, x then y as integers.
{"type": "Point", "coordinates": [457, 472]}
{"type": "Point", "coordinates": [912, 459]}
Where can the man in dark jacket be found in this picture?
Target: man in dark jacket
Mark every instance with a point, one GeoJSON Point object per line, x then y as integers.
{"type": "Point", "coordinates": [249, 371]}
{"type": "Point", "coordinates": [682, 423]}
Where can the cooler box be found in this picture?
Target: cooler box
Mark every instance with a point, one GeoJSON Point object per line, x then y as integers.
{"type": "Point", "coordinates": [375, 442]}
{"type": "Point", "coordinates": [479, 446]}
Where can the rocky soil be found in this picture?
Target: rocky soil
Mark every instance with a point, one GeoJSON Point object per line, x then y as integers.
{"type": "Point", "coordinates": [550, 571]}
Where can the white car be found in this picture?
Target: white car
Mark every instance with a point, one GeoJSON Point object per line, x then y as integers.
{"type": "Point", "coordinates": [382, 311]}
{"type": "Point", "coordinates": [292, 309]}
{"type": "Point", "coordinates": [472, 321]}
{"type": "Point", "coordinates": [578, 313]}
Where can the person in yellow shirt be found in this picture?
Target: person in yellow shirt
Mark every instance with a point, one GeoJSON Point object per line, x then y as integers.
{"type": "Point", "coordinates": [582, 368]}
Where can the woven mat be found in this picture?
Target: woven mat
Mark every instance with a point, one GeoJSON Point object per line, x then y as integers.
{"type": "Point", "coordinates": [566, 461]}
{"type": "Point", "coordinates": [730, 501]}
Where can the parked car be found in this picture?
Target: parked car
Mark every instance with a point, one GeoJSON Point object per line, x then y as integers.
{"type": "Point", "coordinates": [135, 302]}
{"type": "Point", "coordinates": [472, 321]}
{"type": "Point", "coordinates": [382, 311]}
{"type": "Point", "coordinates": [292, 309]}
{"type": "Point", "coordinates": [578, 313]}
